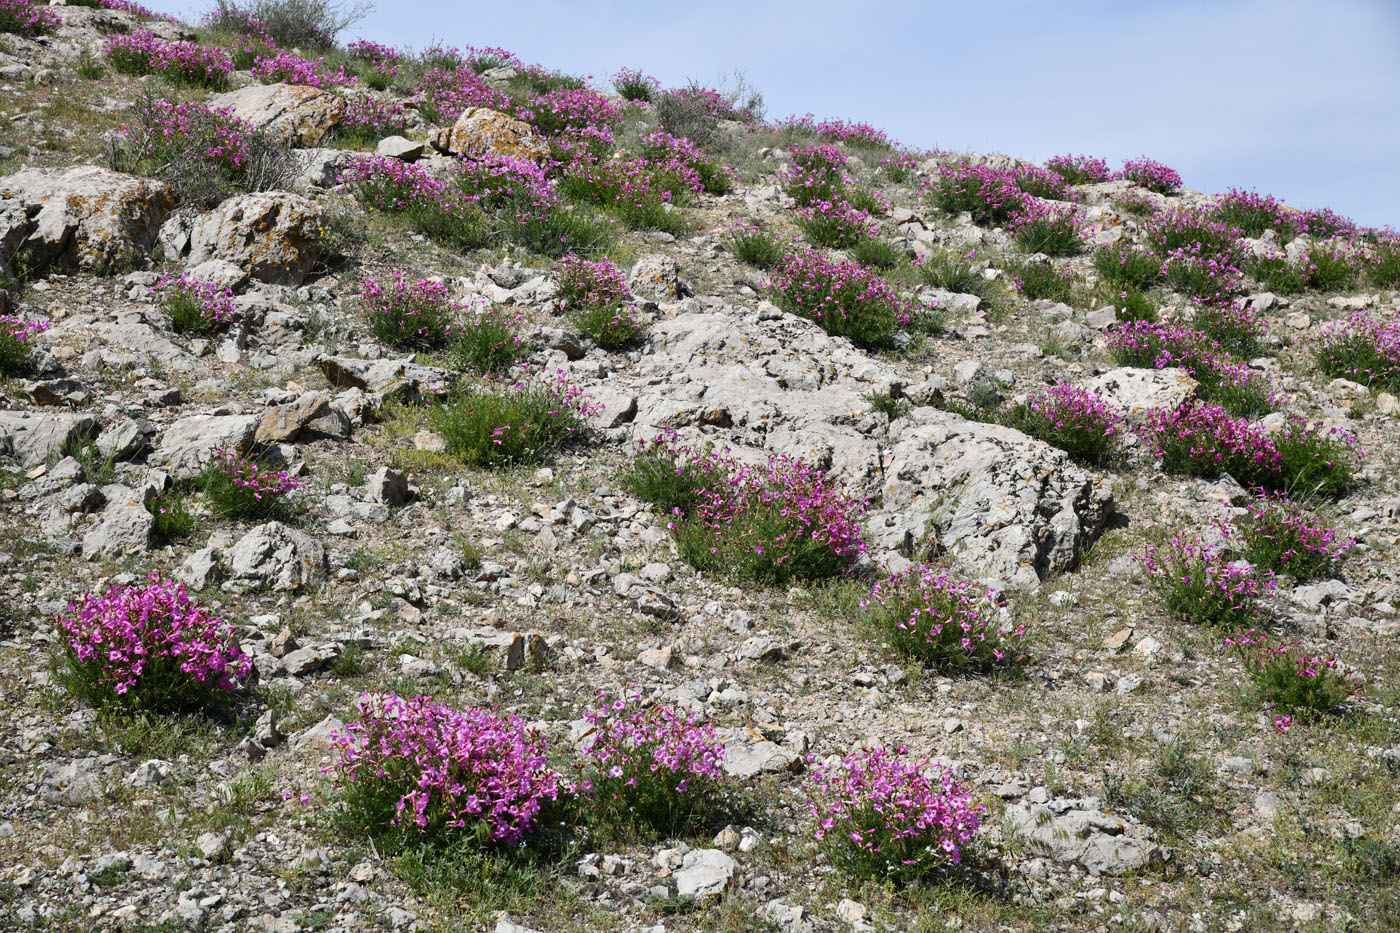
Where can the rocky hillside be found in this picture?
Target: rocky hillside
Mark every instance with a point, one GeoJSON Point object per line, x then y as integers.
{"type": "Point", "coordinates": [440, 493]}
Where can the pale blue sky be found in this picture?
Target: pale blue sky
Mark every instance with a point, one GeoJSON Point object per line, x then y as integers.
{"type": "Point", "coordinates": [1298, 98]}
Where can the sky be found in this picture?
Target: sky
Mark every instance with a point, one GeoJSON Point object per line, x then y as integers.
{"type": "Point", "coordinates": [1295, 98]}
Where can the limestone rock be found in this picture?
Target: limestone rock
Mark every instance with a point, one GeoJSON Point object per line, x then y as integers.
{"type": "Point", "coordinates": [86, 217]}
{"type": "Point", "coordinates": [658, 278]}
{"type": "Point", "coordinates": [33, 438]}
{"type": "Point", "coordinates": [1087, 836]}
{"type": "Point", "coordinates": [704, 873]}
{"type": "Point", "coordinates": [300, 114]}
{"type": "Point", "coordinates": [479, 129]}
{"type": "Point", "coordinates": [1138, 392]}
{"type": "Point", "coordinates": [402, 379]}
{"type": "Point", "coordinates": [272, 235]}
{"type": "Point", "coordinates": [189, 443]}
{"type": "Point", "coordinates": [286, 422]}
{"type": "Point", "coordinates": [397, 147]}
{"type": "Point", "coordinates": [125, 527]}
{"type": "Point", "coordinates": [276, 557]}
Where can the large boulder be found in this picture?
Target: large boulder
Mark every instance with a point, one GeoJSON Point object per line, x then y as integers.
{"type": "Point", "coordinates": [1001, 503]}
{"type": "Point", "coordinates": [33, 439]}
{"type": "Point", "coordinates": [401, 379]}
{"type": "Point", "coordinates": [125, 527]}
{"type": "Point", "coordinates": [1138, 392]}
{"type": "Point", "coordinates": [83, 216]}
{"type": "Point", "coordinates": [273, 556]}
{"type": "Point", "coordinates": [190, 442]}
{"type": "Point", "coordinates": [480, 130]}
{"type": "Point", "coordinates": [300, 114]}
{"type": "Point", "coordinates": [272, 235]}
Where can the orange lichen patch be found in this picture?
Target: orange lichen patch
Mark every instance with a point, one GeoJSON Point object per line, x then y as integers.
{"type": "Point", "coordinates": [301, 115]}
{"type": "Point", "coordinates": [274, 236]}
{"type": "Point", "coordinates": [481, 130]}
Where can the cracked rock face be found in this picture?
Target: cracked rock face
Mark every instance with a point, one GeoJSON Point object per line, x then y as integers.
{"type": "Point", "coordinates": [82, 217]}
{"type": "Point", "coordinates": [300, 114]}
{"type": "Point", "coordinates": [273, 236]}
{"type": "Point", "coordinates": [1004, 505]}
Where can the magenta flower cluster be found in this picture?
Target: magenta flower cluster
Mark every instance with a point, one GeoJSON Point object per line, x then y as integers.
{"type": "Point", "coordinates": [841, 131]}
{"type": "Point", "coordinates": [1079, 169]}
{"type": "Point", "coordinates": [1043, 183]}
{"type": "Point", "coordinates": [1278, 533]}
{"type": "Point", "coordinates": [384, 59]}
{"type": "Point", "coordinates": [939, 619]}
{"type": "Point", "coordinates": [144, 53]}
{"type": "Point", "coordinates": [215, 138]}
{"type": "Point", "coordinates": [677, 151]}
{"type": "Point", "coordinates": [1206, 440]}
{"type": "Point", "coordinates": [885, 814]}
{"type": "Point", "coordinates": [1364, 347]}
{"type": "Point", "coordinates": [1076, 420]}
{"type": "Point", "coordinates": [369, 117]}
{"type": "Point", "coordinates": [991, 195]}
{"type": "Point", "coordinates": [440, 768]}
{"type": "Point", "coordinates": [1152, 175]}
{"type": "Point", "coordinates": [249, 478]}
{"type": "Point", "coordinates": [187, 298]}
{"type": "Point", "coordinates": [1198, 582]}
{"type": "Point", "coordinates": [1292, 679]}
{"type": "Point", "coordinates": [443, 94]}
{"type": "Point", "coordinates": [637, 748]}
{"type": "Point", "coordinates": [781, 518]}
{"type": "Point", "coordinates": [633, 85]}
{"type": "Point", "coordinates": [132, 635]}
{"type": "Point", "coordinates": [845, 298]}
{"type": "Point", "coordinates": [22, 329]}
{"type": "Point", "coordinates": [584, 282]}
{"type": "Point", "coordinates": [293, 69]}
{"type": "Point", "coordinates": [27, 18]}
{"type": "Point", "coordinates": [408, 313]}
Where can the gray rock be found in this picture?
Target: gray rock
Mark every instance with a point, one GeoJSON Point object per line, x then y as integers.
{"type": "Point", "coordinates": [402, 379]}
{"type": "Point", "coordinates": [123, 439]}
{"type": "Point", "coordinates": [74, 782]}
{"type": "Point", "coordinates": [397, 147]}
{"type": "Point", "coordinates": [657, 278]}
{"type": "Point", "coordinates": [310, 659]}
{"type": "Point", "coordinates": [150, 774]}
{"type": "Point", "coordinates": [300, 114]}
{"type": "Point", "coordinates": [125, 527]}
{"type": "Point", "coordinates": [33, 439]}
{"type": "Point", "coordinates": [317, 736]}
{"type": "Point", "coordinates": [86, 217]}
{"type": "Point", "coordinates": [747, 755]}
{"type": "Point", "coordinates": [276, 557]}
{"type": "Point", "coordinates": [272, 235]}
{"type": "Point", "coordinates": [286, 422]}
{"type": "Point", "coordinates": [704, 873]}
{"type": "Point", "coordinates": [222, 273]}
{"type": "Point", "coordinates": [59, 392]}
{"type": "Point", "coordinates": [190, 442]}
{"type": "Point", "coordinates": [212, 845]}
{"type": "Point", "coordinates": [1137, 392]}
{"type": "Point", "coordinates": [387, 486]}
{"type": "Point", "coordinates": [202, 568]}
{"type": "Point", "coordinates": [1094, 840]}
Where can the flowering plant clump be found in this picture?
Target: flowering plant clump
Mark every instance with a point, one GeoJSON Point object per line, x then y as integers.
{"type": "Point", "coordinates": [489, 341]}
{"type": "Point", "coordinates": [1364, 347]}
{"type": "Point", "coordinates": [1075, 420]}
{"type": "Point", "coordinates": [1206, 279]}
{"type": "Point", "coordinates": [771, 523]}
{"type": "Point", "coordinates": [26, 18]}
{"type": "Point", "coordinates": [653, 768]}
{"type": "Point", "coordinates": [1042, 183]}
{"type": "Point", "coordinates": [482, 60]}
{"type": "Point", "coordinates": [941, 621]}
{"type": "Point", "coordinates": [661, 147]}
{"type": "Point", "coordinates": [835, 224]}
{"type": "Point", "coordinates": [1252, 214]}
{"type": "Point", "coordinates": [1137, 202]}
{"type": "Point", "coordinates": [1154, 176]}
{"type": "Point", "coordinates": [293, 69]}
{"type": "Point", "coordinates": [845, 298]}
{"type": "Point", "coordinates": [1127, 266]}
{"type": "Point", "coordinates": [1323, 223]}
{"type": "Point", "coordinates": [144, 53]}
{"type": "Point", "coordinates": [204, 154]}
{"type": "Point", "coordinates": [816, 173]}
{"type": "Point", "coordinates": [1198, 583]}
{"type": "Point", "coordinates": [1204, 440]}
{"type": "Point", "coordinates": [1035, 279]}
{"type": "Point", "coordinates": [1291, 680]}
{"type": "Point", "coordinates": [631, 84]}
{"type": "Point", "coordinates": [420, 767]}
{"type": "Point", "coordinates": [236, 486]}
{"type": "Point", "coordinates": [408, 314]}
{"type": "Point", "coordinates": [575, 111]}
{"type": "Point", "coordinates": [368, 119]}
{"type": "Point", "coordinates": [377, 63]}
{"type": "Point", "coordinates": [596, 294]}
{"type": "Point", "coordinates": [991, 195]}
{"type": "Point", "coordinates": [1278, 534]}
{"type": "Point", "coordinates": [640, 192]}
{"type": "Point", "coordinates": [1053, 229]}
{"type": "Point", "coordinates": [194, 307]}
{"type": "Point", "coordinates": [520, 418]}
{"type": "Point", "coordinates": [16, 332]}
{"type": "Point", "coordinates": [1234, 386]}
{"type": "Point", "coordinates": [1079, 169]}
{"type": "Point", "coordinates": [754, 243]}
{"type": "Point", "coordinates": [883, 815]}
{"type": "Point", "coordinates": [837, 131]}
{"type": "Point", "coordinates": [1383, 267]}
{"type": "Point", "coordinates": [152, 647]}
{"type": "Point", "coordinates": [1234, 325]}
{"type": "Point", "coordinates": [899, 167]}
{"type": "Point", "coordinates": [443, 94]}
